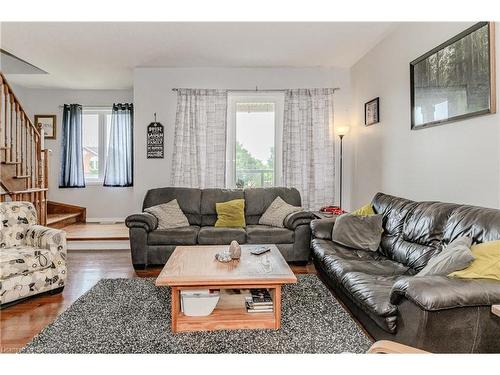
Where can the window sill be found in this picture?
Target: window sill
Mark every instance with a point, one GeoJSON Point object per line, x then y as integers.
{"type": "Point", "coordinates": [94, 182]}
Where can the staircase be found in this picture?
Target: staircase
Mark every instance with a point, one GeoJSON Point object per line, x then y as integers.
{"type": "Point", "coordinates": [60, 215]}
{"type": "Point", "coordinates": [23, 159]}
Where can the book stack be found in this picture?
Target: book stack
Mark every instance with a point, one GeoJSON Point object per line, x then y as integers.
{"type": "Point", "coordinates": [259, 301]}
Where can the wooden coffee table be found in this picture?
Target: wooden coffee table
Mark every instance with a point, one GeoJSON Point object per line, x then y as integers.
{"type": "Point", "coordinates": [195, 267]}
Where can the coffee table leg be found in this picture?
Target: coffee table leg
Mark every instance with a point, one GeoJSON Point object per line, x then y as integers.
{"type": "Point", "coordinates": [277, 307]}
{"type": "Point", "coordinates": [175, 308]}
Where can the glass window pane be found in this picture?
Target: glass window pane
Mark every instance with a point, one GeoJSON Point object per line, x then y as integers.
{"type": "Point", "coordinates": [91, 145]}
{"type": "Point", "coordinates": [255, 144]}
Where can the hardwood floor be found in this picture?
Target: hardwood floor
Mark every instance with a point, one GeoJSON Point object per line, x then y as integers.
{"type": "Point", "coordinates": [21, 322]}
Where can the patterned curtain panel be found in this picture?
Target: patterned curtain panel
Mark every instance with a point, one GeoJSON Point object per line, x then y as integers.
{"type": "Point", "coordinates": [200, 139]}
{"type": "Point", "coordinates": [119, 169]}
{"type": "Point", "coordinates": [72, 148]}
{"type": "Point", "coordinates": [308, 145]}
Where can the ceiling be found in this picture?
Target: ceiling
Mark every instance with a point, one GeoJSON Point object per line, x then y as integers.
{"type": "Point", "coordinates": [94, 55]}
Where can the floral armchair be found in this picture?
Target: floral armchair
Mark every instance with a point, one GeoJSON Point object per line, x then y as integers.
{"type": "Point", "coordinates": [32, 257]}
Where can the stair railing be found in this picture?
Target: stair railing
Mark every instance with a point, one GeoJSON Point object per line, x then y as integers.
{"type": "Point", "coordinates": [21, 146]}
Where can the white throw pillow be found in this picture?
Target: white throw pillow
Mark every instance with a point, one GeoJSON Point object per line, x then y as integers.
{"type": "Point", "coordinates": [169, 215]}
{"type": "Point", "coordinates": [277, 212]}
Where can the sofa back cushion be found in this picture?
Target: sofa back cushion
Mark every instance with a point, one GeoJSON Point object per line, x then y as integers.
{"type": "Point", "coordinates": [189, 201]}
{"type": "Point", "coordinates": [415, 231]}
{"type": "Point", "coordinates": [199, 204]}
{"type": "Point", "coordinates": [479, 223]}
{"type": "Point", "coordinates": [209, 197]}
{"type": "Point", "coordinates": [258, 200]}
{"type": "Point", "coordinates": [423, 232]}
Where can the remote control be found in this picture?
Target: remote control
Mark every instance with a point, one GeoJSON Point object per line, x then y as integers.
{"type": "Point", "coordinates": [260, 250]}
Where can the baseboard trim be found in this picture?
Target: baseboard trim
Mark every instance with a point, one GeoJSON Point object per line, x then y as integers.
{"type": "Point", "coordinates": [105, 220]}
{"type": "Point", "coordinates": [98, 245]}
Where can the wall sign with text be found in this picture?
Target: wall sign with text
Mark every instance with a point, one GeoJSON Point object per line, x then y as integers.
{"type": "Point", "coordinates": [155, 146]}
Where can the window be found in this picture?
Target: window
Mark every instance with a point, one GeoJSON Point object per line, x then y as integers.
{"type": "Point", "coordinates": [254, 140]}
{"type": "Point", "coordinates": [96, 127]}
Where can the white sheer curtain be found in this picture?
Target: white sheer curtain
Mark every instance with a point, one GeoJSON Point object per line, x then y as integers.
{"type": "Point", "coordinates": [200, 138]}
{"type": "Point", "coordinates": [308, 145]}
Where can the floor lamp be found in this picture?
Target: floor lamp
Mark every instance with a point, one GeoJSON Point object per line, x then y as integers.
{"type": "Point", "coordinates": [341, 132]}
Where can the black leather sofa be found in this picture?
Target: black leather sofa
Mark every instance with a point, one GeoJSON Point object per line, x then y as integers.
{"type": "Point", "coordinates": [434, 313]}
{"type": "Point", "coordinates": [150, 246]}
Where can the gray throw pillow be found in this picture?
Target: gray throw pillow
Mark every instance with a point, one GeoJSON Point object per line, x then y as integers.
{"type": "Point", "coordinates": [358, 232]}
{"type": "Point", "coordinates": [277, 212]}
{"type": "Point", "coordinates": [169, 215]}
{"type": "Point", "coordinates": [454, 257]}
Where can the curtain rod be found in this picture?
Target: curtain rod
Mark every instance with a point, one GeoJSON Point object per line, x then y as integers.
{"type": "Point", "coordinates": [258, 90]}
{"type": "Point", "coordinates": [93, 106]}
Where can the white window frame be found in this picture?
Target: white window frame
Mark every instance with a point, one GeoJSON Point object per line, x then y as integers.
{"type": "Point", "coordinates": [278, 98]}
{"type": "Point", "coordinates": [102, 148]}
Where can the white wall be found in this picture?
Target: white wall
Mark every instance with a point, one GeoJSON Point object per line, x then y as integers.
{"type": "Point", "coordinates": [153, 93]}
{"type": "Point", "coordinates": [101, 202]}
{"type": "Point", "coordinates": [456, 162]}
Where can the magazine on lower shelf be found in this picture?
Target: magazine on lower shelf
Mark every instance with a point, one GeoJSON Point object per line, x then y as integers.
{"type": "Point", "coordinates": [260, 300]}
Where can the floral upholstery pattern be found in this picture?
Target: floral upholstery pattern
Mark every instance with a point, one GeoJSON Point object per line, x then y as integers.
{"type": "Point", "coordinates": [32, 257]}
{"type": "Point", "coordinates": [15, 218]}
{"type": "Point", "coordinates": [20, 260]}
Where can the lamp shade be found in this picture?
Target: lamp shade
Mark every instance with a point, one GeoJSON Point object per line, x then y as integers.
{"type": "Point", "coordinates": [342, 130]}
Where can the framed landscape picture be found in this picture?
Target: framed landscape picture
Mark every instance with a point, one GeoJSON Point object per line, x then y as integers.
{"type": "Point", "coordinates": [49, 125]}
{"type": "Point", "coordinates": [455, 80]}
{"type": "Point", "coordinates": [372, 112]}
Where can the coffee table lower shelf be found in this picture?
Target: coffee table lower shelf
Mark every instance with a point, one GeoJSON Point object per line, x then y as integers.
{"type": "Point", "coordinates": [226, 318]}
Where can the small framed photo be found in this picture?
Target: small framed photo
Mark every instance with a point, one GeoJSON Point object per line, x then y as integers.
{"type": "Point", "coordinates": [372, 112]}
{"type": "Point", "coordinates": [49, 125]}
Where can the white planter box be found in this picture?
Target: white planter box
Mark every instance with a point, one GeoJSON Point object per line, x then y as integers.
{"type": "Point", "coordinates": [199, 302]}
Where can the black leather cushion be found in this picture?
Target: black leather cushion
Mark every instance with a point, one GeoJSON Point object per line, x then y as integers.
{"type": "Point", "coordinates": [174, 236]}
{"type": "Point", "coordinates": [440, 292]}
{"type": "Point", "coordinates": [481, 224]}
{"type": "Point", "coordinates": [265, 234]}
{"type": "Point", "coordinates": [338, 260]}
{"type": "Point", "coordinates": [209, 197]}
{"type": "Point", "coordinates": [221, 236]}
{"type": "Point", "coordinates": [259, 199]}
{"type": "Point", "coordinates": [413, 231]}
{"type": "Point", "coordinates": [372, 294]}
{"type": "Point", "coordinates": [189, 201]}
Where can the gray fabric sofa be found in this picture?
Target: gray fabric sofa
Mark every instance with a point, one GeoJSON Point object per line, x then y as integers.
{"type": "Point", "coordinates": [380, 288]}
{"type": "Point", "coordinates": [150, 246]}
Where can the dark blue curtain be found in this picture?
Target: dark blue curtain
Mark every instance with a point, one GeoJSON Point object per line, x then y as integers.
{"type": "Point", "coordinates": [119, 170]}
{"type": "Point", "coordinates": [72, 175]}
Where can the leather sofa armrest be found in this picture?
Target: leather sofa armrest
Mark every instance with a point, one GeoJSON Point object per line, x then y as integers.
{"type": "Point", "coordinates": [434, 293]}
{"type": "Point", "coordinates": [295, 219]}
{"type": "Point", "coordinates": [46, 238]}
{"type": "Point", "coordinates": [145, 220]}
{"type": "Point", "coordinates": [322, 228]}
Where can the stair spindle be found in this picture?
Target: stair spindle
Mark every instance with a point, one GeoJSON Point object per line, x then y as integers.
{"type": "Point", "coordinates": [12, 110]}
{"type": "Point", "coordinates": [6, 94]}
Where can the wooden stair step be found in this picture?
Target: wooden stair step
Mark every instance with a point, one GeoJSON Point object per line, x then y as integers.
{"type": "Point", "coordinates": [11, 162]}
{"type": "Point", "coordinates": [62, 220]}
{"type": "Point", "coordinates": [22, 176]}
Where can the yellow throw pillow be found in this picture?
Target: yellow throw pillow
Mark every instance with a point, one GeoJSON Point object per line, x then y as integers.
{"type": "Point", "coordinates": [366, 210]}
{"type": "Point", "coordinates": [485, 266]}
{"type": "Point", "coordinates": [231, 214]}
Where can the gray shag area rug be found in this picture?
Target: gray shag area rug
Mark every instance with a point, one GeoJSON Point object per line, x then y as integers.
{"type": "Point", "coordinates": [133, 316]}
